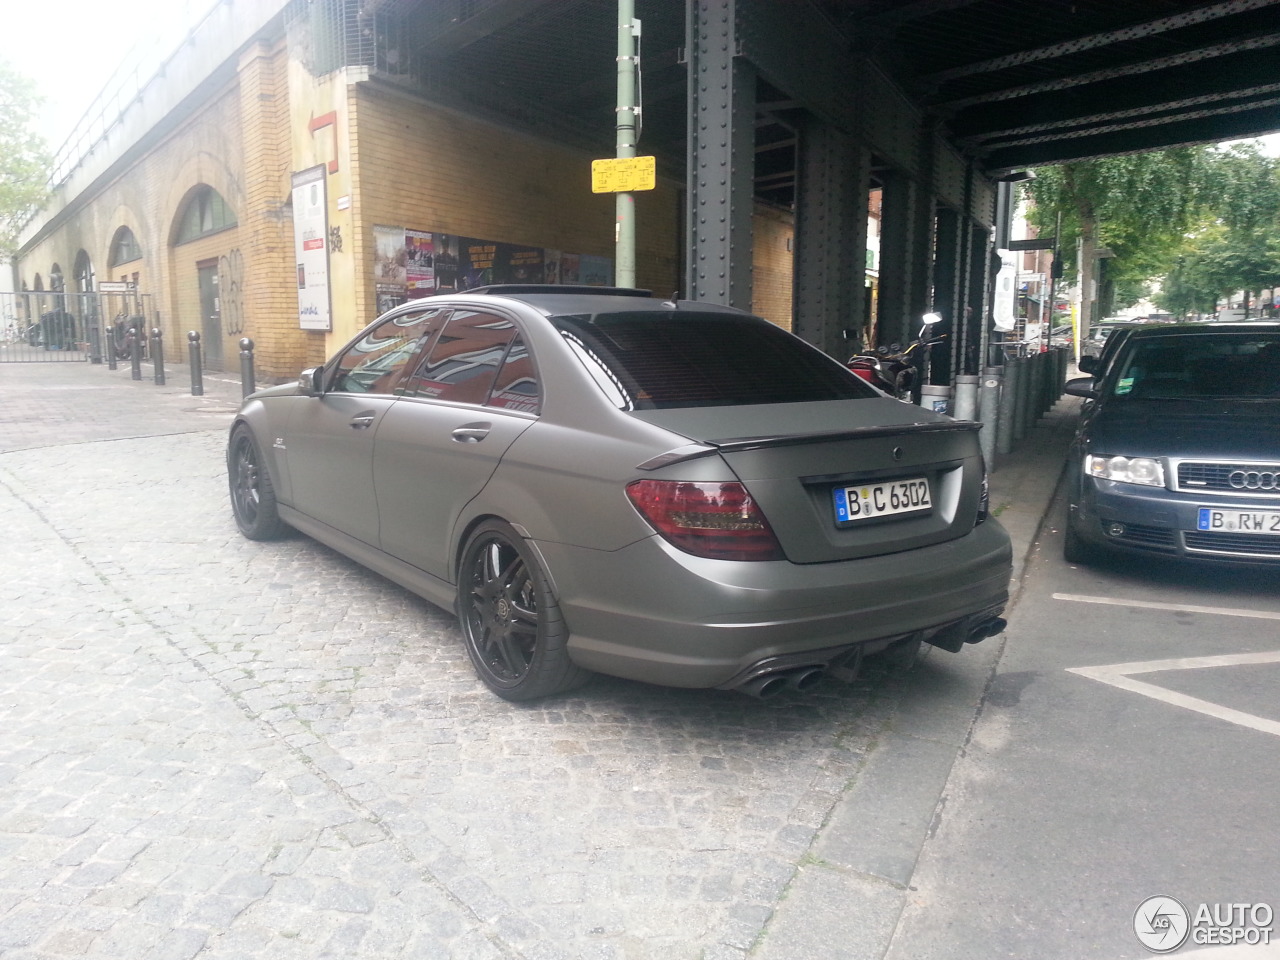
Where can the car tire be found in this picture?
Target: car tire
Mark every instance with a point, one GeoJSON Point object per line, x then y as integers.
{"type": "Point", "coordinates": [253, 498]}
{"type": "Point", "coordinates": [1075, 549]}
{"type": "Point", "coordinates": [514, 632]}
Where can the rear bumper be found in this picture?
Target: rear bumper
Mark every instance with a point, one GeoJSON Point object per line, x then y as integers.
{"type": "Point", "coordinates": [650, 612]}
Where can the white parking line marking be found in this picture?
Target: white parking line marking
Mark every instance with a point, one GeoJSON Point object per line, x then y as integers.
{"type": "Point", "coordinates": [1120, 675]}
{"type": "Point", "coordinates": [1174, 607]}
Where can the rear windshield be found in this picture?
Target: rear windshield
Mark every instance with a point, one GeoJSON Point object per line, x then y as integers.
{"type": "Point", "coordinates": [650, 360]}
{"type": "Point", "coordinates": [1199, 365]}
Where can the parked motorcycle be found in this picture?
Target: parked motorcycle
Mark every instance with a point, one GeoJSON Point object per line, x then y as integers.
{"type": "Point", "coordinates": [896, 370]}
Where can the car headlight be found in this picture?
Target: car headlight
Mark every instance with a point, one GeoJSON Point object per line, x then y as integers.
{"type": "Point", "coordinates": [1143, 470]}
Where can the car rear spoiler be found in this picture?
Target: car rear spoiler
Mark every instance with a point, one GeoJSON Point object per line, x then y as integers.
{"type": "Point", "coordinates": [693, 451]}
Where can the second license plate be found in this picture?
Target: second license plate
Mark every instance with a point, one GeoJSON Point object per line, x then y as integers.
{"type": "Point", "coordinates": [869, 500]}
{"type": "Point", "coordinates": [1239, 521]}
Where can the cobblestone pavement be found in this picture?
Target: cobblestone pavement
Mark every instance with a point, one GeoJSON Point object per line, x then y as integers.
{"type": "Point", "coordinates": [227, 749]}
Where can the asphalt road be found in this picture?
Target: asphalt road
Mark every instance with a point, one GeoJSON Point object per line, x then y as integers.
{"type": "Point", "coordinates": [1128, 746]}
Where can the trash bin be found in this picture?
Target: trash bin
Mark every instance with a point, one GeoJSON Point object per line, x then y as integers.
{"type": "Point", "coordinates": [935, 398]}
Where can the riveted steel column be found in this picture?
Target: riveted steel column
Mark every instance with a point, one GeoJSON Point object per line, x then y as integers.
{"type": "Point", "coordinates": [948, 287]}
{"type": "Point", "coordinates": [974, 342]}
{"type": "Point", "coordinates": [897, 227]}
{"type": "Point", "coordinates": [831, 225]}
{"type": "Point", "coordinates": [721, 152]}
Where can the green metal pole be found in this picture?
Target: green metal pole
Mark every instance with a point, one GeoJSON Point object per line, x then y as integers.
{"type": "Point", "coordinates": [625, 228]}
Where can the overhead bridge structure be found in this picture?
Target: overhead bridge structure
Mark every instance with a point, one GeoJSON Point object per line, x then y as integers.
{"type": "Point", "coordinates": [774, 123]}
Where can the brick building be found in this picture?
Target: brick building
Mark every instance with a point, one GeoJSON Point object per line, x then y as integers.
{"type": "Point", "coordinates": [186, 189]}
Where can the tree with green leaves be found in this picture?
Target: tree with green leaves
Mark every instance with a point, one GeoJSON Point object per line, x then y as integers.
{"type": "Point", "coordinates": [1137, 206]}
{"type": "Point", "coordinates": [25, 161]}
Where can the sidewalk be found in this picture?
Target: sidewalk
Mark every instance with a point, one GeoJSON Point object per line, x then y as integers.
{"type": "Point", "coordinates": [39, 400]}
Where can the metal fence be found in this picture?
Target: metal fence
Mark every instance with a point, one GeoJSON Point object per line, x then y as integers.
{"type": "Point", "coordinates": [45, 327]}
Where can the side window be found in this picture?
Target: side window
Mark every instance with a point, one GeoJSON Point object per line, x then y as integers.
{"type": "Point", "coordinates": [517, 385]}
{"type": "Point", "coordinates": [465, 359]}
{"type": "Point", "coordinates": [376, 362]}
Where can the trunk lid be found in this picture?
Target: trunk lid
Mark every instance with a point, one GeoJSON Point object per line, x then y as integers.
{"type": "Point", "coordinates": [801, 461]}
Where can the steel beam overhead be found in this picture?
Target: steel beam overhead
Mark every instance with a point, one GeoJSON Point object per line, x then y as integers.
{"type": "Point", "coordinates": [1079, 44]}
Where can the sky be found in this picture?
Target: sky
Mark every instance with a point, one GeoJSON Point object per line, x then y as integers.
{"type": "Point", "coordinates": [72, 49]}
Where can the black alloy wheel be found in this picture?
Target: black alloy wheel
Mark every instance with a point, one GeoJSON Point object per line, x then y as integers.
{"type": "Point", "coordinates": [514, 632]}
{"type": "Point", "coordinates": [253, 499]}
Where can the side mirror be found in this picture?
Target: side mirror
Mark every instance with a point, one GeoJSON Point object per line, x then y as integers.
{"type": "Point", "coordinates": [311, 382]}
{"type": "Point", "coordinates": [1081, 387]}
{"type": "Point", "coordinates": [1088, 364]}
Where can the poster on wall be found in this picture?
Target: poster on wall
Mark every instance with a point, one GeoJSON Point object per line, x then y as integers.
{"type": "Point", "coordinates": [311, 250]}
{"type": "Point", "coordinates": [420, 263]}
{"type": "Point", "coordinates": [477, 266]}
{"type": "Point", "coordinates": [595, 271]}
{"type": "Point", "coordinates": [390, 276]}
{"type": "Point", "coordinates": [519, 264]}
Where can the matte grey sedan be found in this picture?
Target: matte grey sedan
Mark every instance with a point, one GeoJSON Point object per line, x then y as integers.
{"type": "Point", "coordinates": [601, 481]}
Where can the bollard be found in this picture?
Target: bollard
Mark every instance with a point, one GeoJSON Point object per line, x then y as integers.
{"type": "Point", "coordinates": [135, 352]}
{"type": "Point", "coordinates": [1035, 393]}
{"type": "Point", "coordinates": [197, 373]}
{"type": "Point", "coordinates": [989, 412]}
{"type": "Point", "coordinates": [157, 354]}
{"type": "Point", "coordinates": [1008, 402]}
{"type": "Point", "coordinates": [966, 403]}
{"type": "Point", "coordinates": [95, 343]}
{"type": "Point", "coordinates": [1026, 397]}
{"type": "Point", "coordinates": [246, 367]}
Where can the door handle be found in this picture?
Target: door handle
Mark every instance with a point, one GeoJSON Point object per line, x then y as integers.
{"type": "Point", "coordinates": [362, 421]}
{"type": "Point", "coordinates": [472, 432]}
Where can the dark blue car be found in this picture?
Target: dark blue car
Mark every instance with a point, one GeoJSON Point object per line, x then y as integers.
{"type": "Point", "coordinates": [1178, 449]}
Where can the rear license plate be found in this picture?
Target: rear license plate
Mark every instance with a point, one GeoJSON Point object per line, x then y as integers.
{"type": "Point", "coordinates": [867, 501]}
{"type": "Point", "coordinates": [1239, 521]}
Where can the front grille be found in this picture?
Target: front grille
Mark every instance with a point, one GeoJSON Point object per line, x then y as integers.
{"type": "Point", "coordinates": [1239, 479]}
{"type": "Point", "coordinates": [1142, 536]}
{"type": "Point", "coordinates": [1236, 544]}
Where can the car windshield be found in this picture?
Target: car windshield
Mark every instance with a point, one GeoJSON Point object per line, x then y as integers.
{"type": "Point", "coordinates": [1209, 365]}
{"type": "Point", "coordinates": [647, 360]}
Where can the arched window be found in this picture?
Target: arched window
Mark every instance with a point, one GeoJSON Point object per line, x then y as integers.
{"type": "Point", "coordinates": [84, 273]}
{"type": "Point", "coordinates": [124, 248]}
{"type": "Point", "coordinates": [205, 213]}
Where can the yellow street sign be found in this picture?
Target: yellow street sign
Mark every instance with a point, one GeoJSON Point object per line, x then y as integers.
{"type": "Point", "coordinates": [623, 175]}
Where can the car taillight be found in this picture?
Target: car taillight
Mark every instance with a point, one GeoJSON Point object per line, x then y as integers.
{"type": "Point", "coordinates": [715, 520]}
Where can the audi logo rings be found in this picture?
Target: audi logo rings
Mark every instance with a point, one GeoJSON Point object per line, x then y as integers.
{"type": "Point", "coordinates": [1254, 479]}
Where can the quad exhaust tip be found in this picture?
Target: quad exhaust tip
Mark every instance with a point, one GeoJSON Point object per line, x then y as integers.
{"type": "Point", "coordinates": [800, 679]}
{"type": "Point", "coordinates": [771, 684]}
